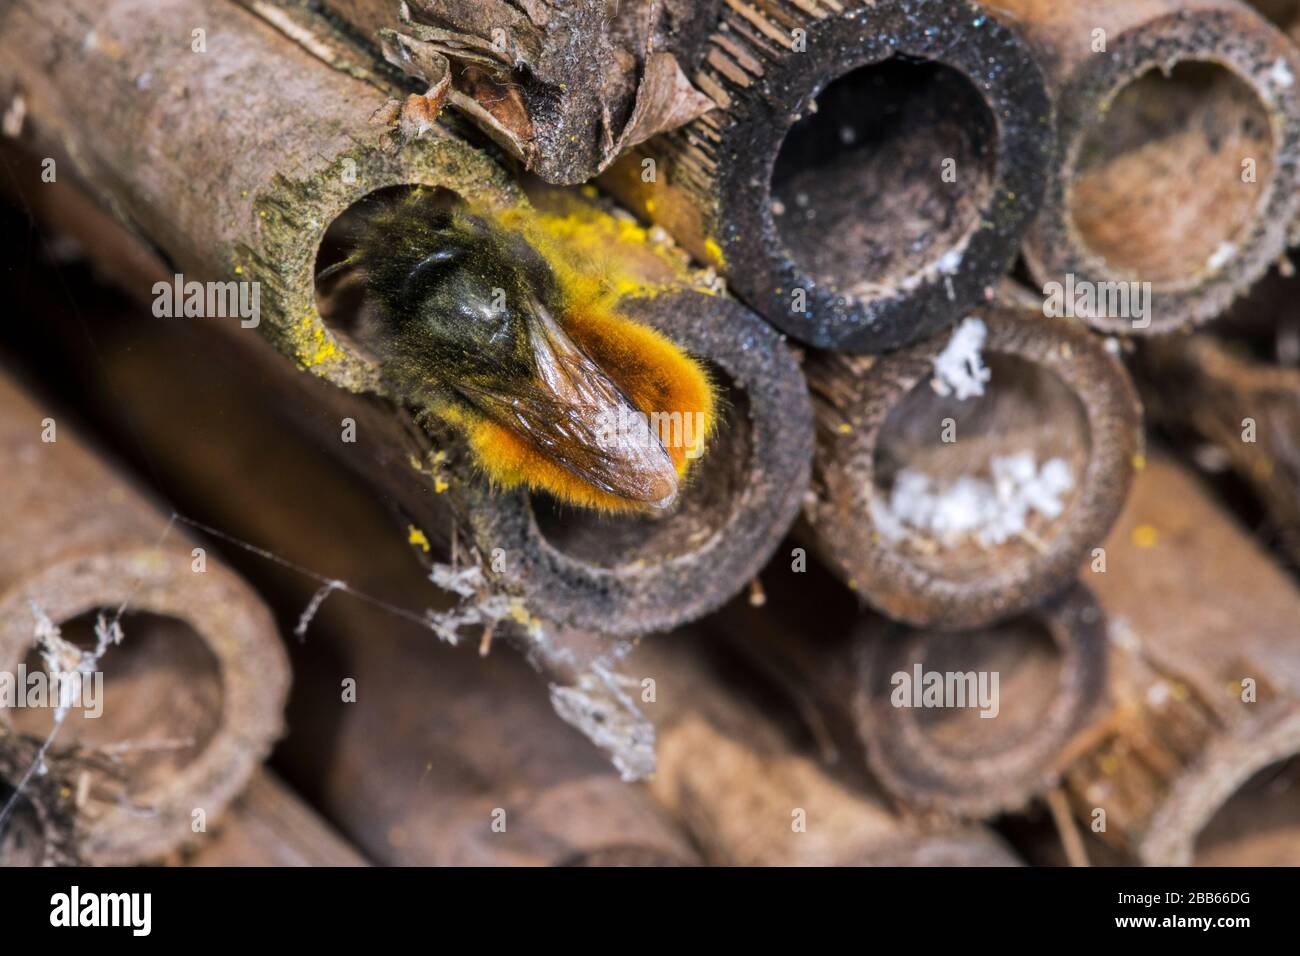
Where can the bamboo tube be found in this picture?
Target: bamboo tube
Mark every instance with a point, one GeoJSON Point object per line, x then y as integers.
{"type": "Point", "coordinates": [268, 825]}
{"type": "Point", "coordinates": [195, 691]}
{"type": "Point", "coordinates": [1053, 391]}
{"type": "Point", "coordinates": [750, 483]}
{"type": "Point", "coordinates": [1179, 757]}
{"type": "Point", "coordinates": [843, 677]}
{"type": "Point", "coordinates": [749, 798]}
{"type": "Point", "coordinates": [852, 226]}
{"type": "Point", "coordinates": [636, 574]}
{"type": "Point", "coordinates": [1229, 388]}
{"type": "Point", "coordinates": [449, 760]}
{"type": "Point", "coordinates": [1050, 667]}
{"type": "Point", "coordinates": [1258, 825]}
{"type": "Point", "coordinates": [629, 574]}
{"type": "Point", "coordinates": [1179, 131]}
{"type": "Point", "coordinates": [563, 86]}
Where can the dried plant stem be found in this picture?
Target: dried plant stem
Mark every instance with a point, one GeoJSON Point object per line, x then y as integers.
{"type": "Point", "coordinates": [1246, 408]}
{"type": "Point", "coordinates": [563, 86]}
{"type": "Point", "coordinates": [200, 657]}
{"type": "Point", "coordinates": [844, 679]}
{"type": "Point", "coordinates": [269, 825]}
{"type": "Point", "coordinates": [1177, 768]}
{"type": "Point", "coordinates": [749, 798]}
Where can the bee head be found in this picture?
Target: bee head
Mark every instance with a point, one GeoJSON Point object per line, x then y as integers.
{"type": "Point", "coordinates": [452, 286]}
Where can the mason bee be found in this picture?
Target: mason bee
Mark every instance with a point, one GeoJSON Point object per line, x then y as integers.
{"type": "Point", "coordinates": [478, 319]}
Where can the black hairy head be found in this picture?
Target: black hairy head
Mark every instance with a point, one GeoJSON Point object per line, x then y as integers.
{"type": "Point", "coordinates": [455, 293]}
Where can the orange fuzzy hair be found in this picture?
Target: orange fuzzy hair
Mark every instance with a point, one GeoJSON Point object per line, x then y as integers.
{"type": "Point", "coordinates": [583, 249]}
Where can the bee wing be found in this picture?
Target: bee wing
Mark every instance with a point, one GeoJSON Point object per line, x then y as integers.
{"type": "Point", "coordinates": [574, 413]}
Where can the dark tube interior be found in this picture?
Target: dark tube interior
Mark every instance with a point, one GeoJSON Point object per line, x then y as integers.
{"type": "Point", "coordinates": [1028, 663]}
{"type": "Point", "coordinates": [22, 843]}
{"type": "Point", "coordinates": [714, 484]}
{"type": "Point", "coordinates": [859, 193]}
{"type": "Point", "coordinates": [1259, 825]}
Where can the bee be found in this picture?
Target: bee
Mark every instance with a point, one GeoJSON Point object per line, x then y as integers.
{"type": "Point", "coordinates": [477, 321]}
